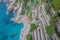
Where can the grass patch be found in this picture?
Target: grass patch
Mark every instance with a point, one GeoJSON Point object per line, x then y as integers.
{"type": "Point", "coordinates": [29, 37]}
{"type": "Point", "coordinates": [33, 26]}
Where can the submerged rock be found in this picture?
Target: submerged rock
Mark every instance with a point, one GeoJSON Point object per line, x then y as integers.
{"type": "Point", "coordinates": [13, 35]}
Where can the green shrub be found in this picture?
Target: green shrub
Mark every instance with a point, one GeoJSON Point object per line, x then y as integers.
{"type": "Point", "coordinates": [33, 26]}
{"type": "Point", "coordinates": [29, 37]}
{"type": "Point", "coordinates": [49, 30]}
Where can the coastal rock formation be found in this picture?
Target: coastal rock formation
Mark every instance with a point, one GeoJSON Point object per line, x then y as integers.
{"type": "Point", "coordinates": [19, 18]}
{"type": "Point", "coordinates": [1, 1]}
{"type": "Point", "coordinates": [10, 5]}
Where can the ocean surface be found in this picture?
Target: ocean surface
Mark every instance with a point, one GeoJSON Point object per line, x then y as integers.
{"type": "Point", "coordinates": [8, 29]}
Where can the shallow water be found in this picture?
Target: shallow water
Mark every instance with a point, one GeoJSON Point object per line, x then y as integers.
{"type": "Point", "coordinates": [8, 30]}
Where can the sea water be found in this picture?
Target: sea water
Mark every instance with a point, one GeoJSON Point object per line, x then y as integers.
{"type": "Point", "coordinates": [8, 29]}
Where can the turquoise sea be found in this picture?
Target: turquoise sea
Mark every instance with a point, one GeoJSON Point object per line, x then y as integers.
{"type": "Point", "coordinates": [8, 29]}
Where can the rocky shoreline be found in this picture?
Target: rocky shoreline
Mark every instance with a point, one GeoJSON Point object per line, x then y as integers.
{"type": "Point", "coordinates": [19, 18]}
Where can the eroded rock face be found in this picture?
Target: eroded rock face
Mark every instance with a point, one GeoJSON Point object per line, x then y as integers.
{"type": "Point", "coordinates": [13, 35]}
